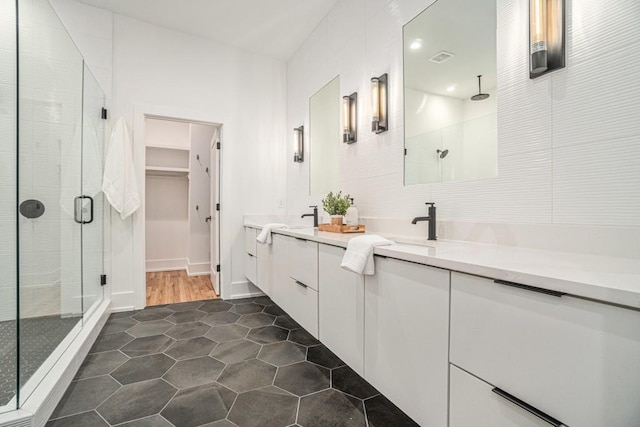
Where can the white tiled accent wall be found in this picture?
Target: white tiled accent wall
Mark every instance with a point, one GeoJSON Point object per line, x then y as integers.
{"type": "Point", "coordinates": [568, 142]}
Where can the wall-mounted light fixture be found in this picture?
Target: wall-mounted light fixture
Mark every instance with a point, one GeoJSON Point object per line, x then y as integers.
{"type": "Point", "coordinates": [379, 104]}
{"type": "Point", "coordinates": [350, 118]}
{"type": "Point", "coordinates": [546, 36]}
{"type": "Point", "coordinates": [298, 149]}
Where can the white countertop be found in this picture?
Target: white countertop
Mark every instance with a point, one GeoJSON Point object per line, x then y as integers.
{"type": "Point", "coordinates": [610, 279]}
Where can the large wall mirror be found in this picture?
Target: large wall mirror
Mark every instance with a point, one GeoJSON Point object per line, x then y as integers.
{"type": "Point", "coordinates": [324, 139]}
{"type": "Point", "coordinates": [450, 126]}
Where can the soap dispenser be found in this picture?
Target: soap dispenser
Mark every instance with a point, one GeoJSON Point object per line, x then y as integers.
{"type": "Point", "coordinates": [351, 218]}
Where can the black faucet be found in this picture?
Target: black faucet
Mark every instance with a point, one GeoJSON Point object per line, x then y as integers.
{"type": "Point", "coordinates": [432, 220]}
{"type": "Point", "coordinates": [314, 215]}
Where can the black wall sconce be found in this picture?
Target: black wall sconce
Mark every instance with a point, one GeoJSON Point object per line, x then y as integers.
{"type": "Point", "coordinates": [379, 104]}
{"type": "Point", "coordinates": [298, 149]}
{"type": "Point", "coordinates": [546, 36]}
{"type": "Point", "coordinates": [350, 118]}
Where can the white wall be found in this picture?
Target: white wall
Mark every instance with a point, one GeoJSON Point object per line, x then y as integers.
{"type": "Point", "coordinates": [568, 142]}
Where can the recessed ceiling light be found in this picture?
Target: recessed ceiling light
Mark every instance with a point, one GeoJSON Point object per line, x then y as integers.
{"type": "Point", "coordinates": [416, 44]}
{"type": "Point", "coordinates": [441, 57]}
{"type": "Point", "coordinates": [451, 88]}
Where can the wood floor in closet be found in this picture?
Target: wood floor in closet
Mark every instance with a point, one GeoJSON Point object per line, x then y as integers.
{"type": "Point", "coordinates": [166, 287]}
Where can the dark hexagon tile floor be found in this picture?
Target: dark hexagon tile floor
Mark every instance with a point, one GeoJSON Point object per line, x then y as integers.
{"type": "Point", "coordinates": [217, 364]}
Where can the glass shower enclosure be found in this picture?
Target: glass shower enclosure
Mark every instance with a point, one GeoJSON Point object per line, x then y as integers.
{"type": "Point", "coordinates": [51, 209]}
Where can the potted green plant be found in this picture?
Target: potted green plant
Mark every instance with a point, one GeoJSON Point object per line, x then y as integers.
{"type": "Point", "coordinates": [336, 205]}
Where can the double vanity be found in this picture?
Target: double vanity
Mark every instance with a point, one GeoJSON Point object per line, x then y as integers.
{"type": "Point", "coordinates": [462, 334]}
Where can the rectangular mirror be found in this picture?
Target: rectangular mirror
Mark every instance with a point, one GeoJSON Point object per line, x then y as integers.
{"type": "Point", "coordinates": [450, 122]}
{"type": "Point", "coordinates": [324, 139]}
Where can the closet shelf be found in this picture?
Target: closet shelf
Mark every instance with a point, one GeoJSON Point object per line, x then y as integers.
{"type": "Point", "coordinates": [168, 147]}
{"type": "Point", "coordinates": [166, 171]}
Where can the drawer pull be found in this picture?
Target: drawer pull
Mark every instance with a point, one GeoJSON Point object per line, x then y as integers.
{"type": "Point", "coordinates": [530, 288]}
{"type": "Point", "coordinates": [251, 255]}
{"type": "Point", "coordinates": [524, 405]}
{"type": "Point", "coordinates": [300, 238]}
{"type": "Point", "coordinates": [301, 284]}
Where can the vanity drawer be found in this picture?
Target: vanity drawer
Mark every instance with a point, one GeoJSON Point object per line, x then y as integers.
{"type": "Point", "coordinates": [250, 242]}
{"type": "Point", "coordinates": [574, 359]}
{"type": "Point", "coordinates": [473, 403]}
{"type": "Point", "coordinates": [301, 303]}
{"type": "Point", "coordinates": [303, 256]}
{"type": "Point", "coordinates": [251, 268]}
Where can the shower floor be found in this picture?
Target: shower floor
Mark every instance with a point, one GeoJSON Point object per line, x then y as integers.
{"type": "Point", "coordinates": [39, 336]}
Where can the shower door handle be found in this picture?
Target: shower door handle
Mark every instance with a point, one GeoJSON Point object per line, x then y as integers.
{"type": "Point", "coordinates": [77, 209]}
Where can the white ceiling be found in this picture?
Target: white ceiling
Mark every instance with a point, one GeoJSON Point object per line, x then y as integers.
{"type": "Point", "coordinates": [466, 28]}
{"type": "Point", "coordinates": [274, 28]}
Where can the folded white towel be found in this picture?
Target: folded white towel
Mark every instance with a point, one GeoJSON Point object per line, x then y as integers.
{"type": "Point", "coordinates": [265, 234]}
{"type": "Point", "coordinates": [359, 255]}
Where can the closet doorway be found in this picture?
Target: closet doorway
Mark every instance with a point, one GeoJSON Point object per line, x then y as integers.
{"type": "Point", "coordinates": [182, 226]}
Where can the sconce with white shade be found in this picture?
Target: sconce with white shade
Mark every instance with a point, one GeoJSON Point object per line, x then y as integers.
{"type": "Point", "coordinates": [298, 149]}
{"type": "Point", "coordinates": [379, 104]}
{"type": "Point", "coordinates": [350, 118]}
{"type": "Point", "coordinates": [546, 36]}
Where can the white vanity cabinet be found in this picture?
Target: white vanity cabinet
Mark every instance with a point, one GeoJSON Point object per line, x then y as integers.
{"type": "Point", "coordinates": [406, 321]}
{"type": "Point", "coordinates": [295, 279]}
{"type": "Point", "coordinates": [264, 273]}
{"type": "Point", "coordinates": [341, 308]}
{"type": "Point", "coordinates": [575, 360]}
{"type": "Point", "coordinates": [251, 262]}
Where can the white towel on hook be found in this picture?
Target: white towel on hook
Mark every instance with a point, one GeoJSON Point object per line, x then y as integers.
{"type": "Point", "coordinates": [359, 255]}
{"type": "Point", "coordinates": [119, 181]}
{"type": "Point", "coordinates": [265, 234]}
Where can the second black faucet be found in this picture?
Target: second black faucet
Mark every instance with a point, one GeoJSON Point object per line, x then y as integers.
{"type": "Point", "coordinates": [431, 218]}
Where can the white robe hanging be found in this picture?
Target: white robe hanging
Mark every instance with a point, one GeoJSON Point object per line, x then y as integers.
{"type": "Point", "coordinates": [119, 182]}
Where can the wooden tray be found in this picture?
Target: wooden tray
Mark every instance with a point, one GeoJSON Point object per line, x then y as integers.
{"type": "Point", "coordinates": [341, 228]}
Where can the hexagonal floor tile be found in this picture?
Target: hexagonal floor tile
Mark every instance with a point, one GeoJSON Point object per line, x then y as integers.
{"type": "Point", "coordinates": [147, 345]}
{"type": "Point", "coordinates": [191, 348]}
{"type": "Point", "coordinates": [236, 351]}
{"type": "Point", "coordinates": [228, 332]}
{"type": "Point", "coordinates": [242, 300]}
{"type": "Point", "coordinates": [110, 342]}
{"type": "Point", "coordinates": [286, 322]}
{"type": "Point", "coordinates": [256, 320]}
{"type": "Point", "coordinates": [143, 368]}
{"type": "Point", "coordinates": [321, 355]}
{"type": "Point", "coordinates": [194, 372]}
{"type": "Point", "coordinates": [283, 353]}
{"type": "Point", "coordinates": [268, 334]}
{"type": "Point", "coordinates": [147, 329]}
{"type": "Point", "coordinates": [118, 325]}
{"type": "Point", "coordinates": [348, 381]}
{"type": "Point", "coordinates": [302, 337]}
{"type": "Point", "coordinates": [332, 408]}
{"type": "Point", "coordinates": [81, 420]}
{"type": "Point", "coordinates": [264, 301]}
{"type": "Point", "coordinates": [215, 306]}
{"type": "Point", "coordinates": [221, 318]}
{"type": "Point", "coordinates": [152, 421]}
{"type": "Point", "coordinates": [186, 316]}
{"type": "Point", "coordinates": [303, 378]}
{"type": "Point", "coordinates": [247, 375]}
{"type": "Point", "coordinates": [199, 405]}
{"type": "Point", "coordinates": [85, 395]}
{"type": "Point", "coordinates": [265, 407]}
{"type": "Point", "coordinates": [184, 306]}
{"type": "Point", "coordinates": [136, 400]}
{"type": "Point", "coordinates": [381, 412]}
{"type": "Point", "coordinates": [149, 314]}
{"type": "Point", "coordinates": [121, 314]}
{"type": "Point", "coordinates": [274, 310]}
{"type": "Point", "coordinates": [100, 364]}
{"type": "Point", "coordinates": [188, 330]}
{"type": "Point", "coordinates": [247, 308]}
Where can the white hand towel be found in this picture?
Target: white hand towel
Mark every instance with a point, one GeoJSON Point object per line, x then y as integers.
{"type": "Point", "coordinates": [359, 255]}
{"type": "Point", "coordinates": [265, 234]}
{"type": "Point", "coordinates": [119, 181]}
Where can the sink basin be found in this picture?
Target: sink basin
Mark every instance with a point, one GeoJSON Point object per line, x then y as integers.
{"type": "Point", "coordinates": [411, 240]}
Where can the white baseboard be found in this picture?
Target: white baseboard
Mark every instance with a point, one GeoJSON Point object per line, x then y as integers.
{"type": "Point", "coordinates": [123, 301]}
{"type": "Point", "coordinates": [198, 268]}
{"type": "Point", "coordinates": [153, 265]}
{"type": "Point", "coordinates": [244, 289]}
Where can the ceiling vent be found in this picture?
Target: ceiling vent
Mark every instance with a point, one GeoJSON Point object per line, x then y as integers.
{"type": "Point", "coordinates": [441, 57]}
